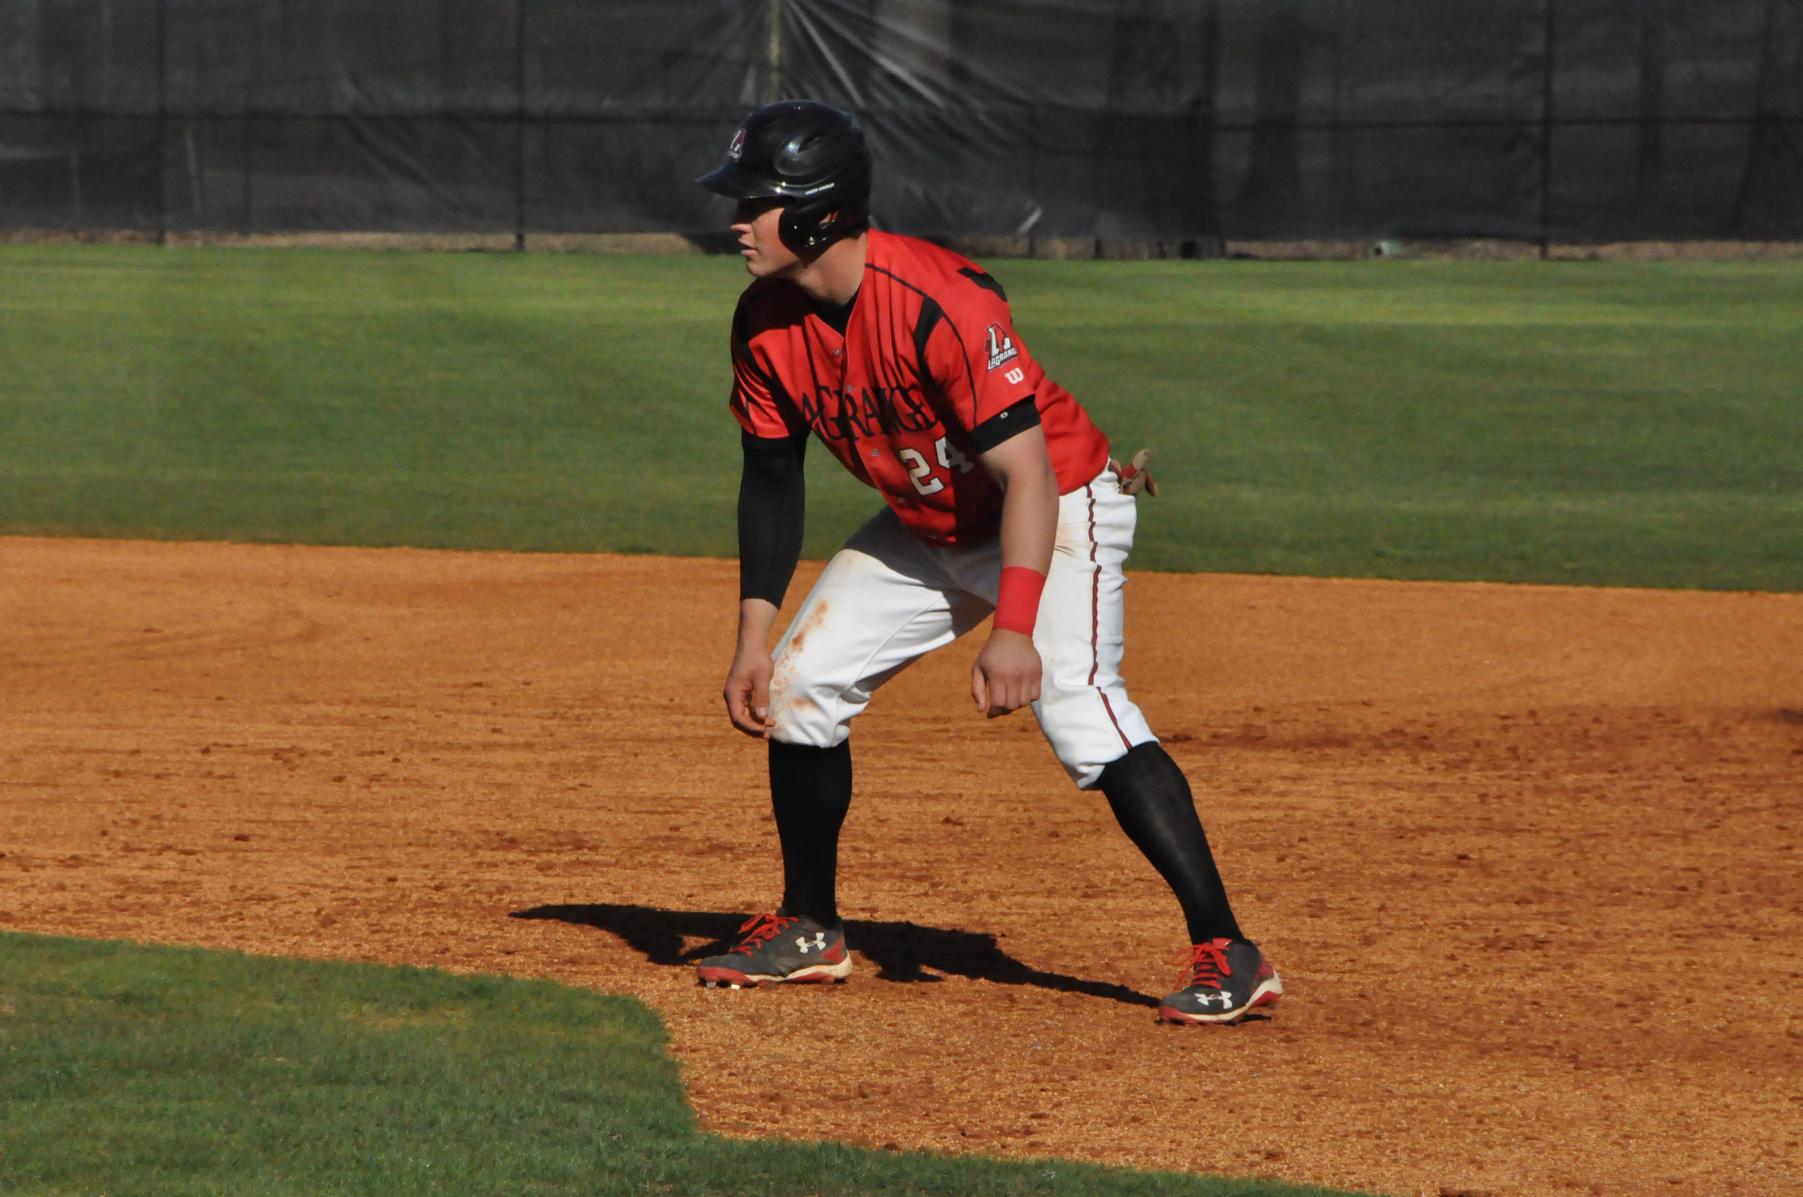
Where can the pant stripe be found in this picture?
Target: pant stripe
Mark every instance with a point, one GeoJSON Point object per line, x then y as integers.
{"type": "Point", "coordinates": [1095, 619]}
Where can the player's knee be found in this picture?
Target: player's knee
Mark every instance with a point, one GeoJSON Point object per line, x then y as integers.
{"type": "Point", "coordinates": [1084, 753]}
{"type": "Point", "coordinates": [805, 715]}
{"type": "Point", "coordinates": [1089, 730]}
{"type": "Point", "coordinates": [805, 732]}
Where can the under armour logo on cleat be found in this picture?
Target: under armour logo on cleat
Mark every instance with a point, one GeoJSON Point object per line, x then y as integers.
{"type": "Point", "coordinates": [1226, 999]}
{"type": "Point", "coordinates": [819, 944]}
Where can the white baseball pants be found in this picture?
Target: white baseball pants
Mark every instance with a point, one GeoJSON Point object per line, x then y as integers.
{"type": "Point", "coordinates": [887, 598]}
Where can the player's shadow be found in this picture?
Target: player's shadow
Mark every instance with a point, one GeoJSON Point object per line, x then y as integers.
{"type": "Point", "coordinates": [900, 951]}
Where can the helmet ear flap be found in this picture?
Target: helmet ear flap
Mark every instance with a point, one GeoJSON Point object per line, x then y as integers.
{"type": "Point", "coordinates": [804, 225]}
{"type": "Point", "coordinates": [811, 223]}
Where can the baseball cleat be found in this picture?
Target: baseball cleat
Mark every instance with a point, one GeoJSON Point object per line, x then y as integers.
{"type": "Point", "coordinates": [1221, 980]}
{"type": "Point", "coordinates": [779, 948]}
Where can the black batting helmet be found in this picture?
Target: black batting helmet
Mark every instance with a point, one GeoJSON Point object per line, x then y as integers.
{"type": "Point", "coordinates": [808, 153]}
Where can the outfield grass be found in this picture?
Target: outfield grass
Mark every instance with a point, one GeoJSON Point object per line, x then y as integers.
{"type": "Point", "coordinates": [172, 1071]}
{"type": "Point", "coordinates": [1614, 423]}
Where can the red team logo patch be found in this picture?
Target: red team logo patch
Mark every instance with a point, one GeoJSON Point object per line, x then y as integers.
{"type": "Point", "coordinates": [736, 150]}
{"type": "Point", "coordinates": [1001, 347]}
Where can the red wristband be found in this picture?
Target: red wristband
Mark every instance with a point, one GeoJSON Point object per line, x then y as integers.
{"type": "Point", "coordinates": [1017, 602]}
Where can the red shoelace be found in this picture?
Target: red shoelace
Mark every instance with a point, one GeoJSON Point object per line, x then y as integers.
{"type": "Point", "coordinates": [759, 930]}
{"type": "Point", "coordinates": [1203, 964]}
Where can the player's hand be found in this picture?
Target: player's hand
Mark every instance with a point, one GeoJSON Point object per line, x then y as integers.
{"type": "Point", "coordinates": [1006, 675]}
{"type": "Point", "coordinates": [748, 693]}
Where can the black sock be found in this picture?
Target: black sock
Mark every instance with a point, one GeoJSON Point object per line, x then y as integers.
{"type": "Point", "coordinates": [810, 791]}
{"type": "Point", "coordinates": [1151, 800]}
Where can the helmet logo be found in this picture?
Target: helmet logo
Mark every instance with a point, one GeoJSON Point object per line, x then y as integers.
{"type": "Point", "coordinates": [736, 150]}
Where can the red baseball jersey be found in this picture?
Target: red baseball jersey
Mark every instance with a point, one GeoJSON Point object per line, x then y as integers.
{"type": "Point", "coordinates": [927, 374]}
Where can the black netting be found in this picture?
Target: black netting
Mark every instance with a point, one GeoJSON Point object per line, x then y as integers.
{"type": "Point", "coordinates": [1134, 120]}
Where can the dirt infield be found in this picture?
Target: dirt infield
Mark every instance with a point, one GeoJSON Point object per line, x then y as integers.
{"type": "Point", "coordinates": [1526, 857]}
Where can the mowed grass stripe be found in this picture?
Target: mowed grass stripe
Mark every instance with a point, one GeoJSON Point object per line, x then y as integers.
{"type": "Point", "coordinates": [1607, 423]}
{"type": "Point", "coordinates": [148, 1070]}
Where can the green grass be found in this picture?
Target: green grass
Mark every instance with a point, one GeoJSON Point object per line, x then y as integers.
{"type": "Point", "coordinates": [1610, 423]}
{"type": "Point", "coordinates": [127, 1069]}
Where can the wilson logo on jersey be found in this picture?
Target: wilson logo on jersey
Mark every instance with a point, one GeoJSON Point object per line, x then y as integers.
{"type": "Point", "coordinates": [1001, 347]}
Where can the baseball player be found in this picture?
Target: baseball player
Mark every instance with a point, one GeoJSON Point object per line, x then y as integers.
{"type": "Point", "coordinates": [1000, 496]}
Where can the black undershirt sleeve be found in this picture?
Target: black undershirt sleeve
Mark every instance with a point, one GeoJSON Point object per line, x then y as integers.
{"type": "Point", "coordinates": [1017, 417]}
{"type": "Point", "coordinates": [772, 507]}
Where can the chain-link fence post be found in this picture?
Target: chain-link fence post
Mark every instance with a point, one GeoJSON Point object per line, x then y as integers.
{"type": "Point", "coordinates": [519, 126]}
{"type": "Point", "coordinates": [1546, 129]}
{"type": "Point", "coordinates": [162, 122]}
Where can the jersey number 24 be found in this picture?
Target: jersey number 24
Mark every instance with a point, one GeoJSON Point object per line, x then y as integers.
{"type": "Point", "coordinates": [920, 470]}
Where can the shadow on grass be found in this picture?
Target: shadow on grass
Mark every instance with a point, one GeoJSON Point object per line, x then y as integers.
{"type": "Point", "coordinates": [900, 951]}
